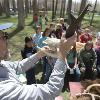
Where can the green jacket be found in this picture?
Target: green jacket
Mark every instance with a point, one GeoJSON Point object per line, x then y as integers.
{"type": "Point", "coordinates": [87, 57]}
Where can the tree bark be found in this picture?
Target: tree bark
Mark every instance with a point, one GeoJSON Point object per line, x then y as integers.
{"type": "Point", "coordinates": [26, 8]}
{"type": "Point", "coordinates": [35, 7]}
{"type": "Point", "coordinates": [1, 9]}
{"type": "Point", "coordinates": [56, 6]}
{"type": "Point", "coordinates": [45, 5]}
{"type": "Point", "coordinates": [64, 8]}
{"type": "Point", "coordinates": [7, 8]}
{"type": "Point", "coordinates": [69, 6]}
{"type": "Point", "coordinates": [14, 5]}
{"type": "Point", "coordinates": [93, 13]}
{"type": "Point", "coordinates": [82, 6]}
{"type": "Point", "coordinates": [61, 10]}
{"type": "Point", "coordinates": [53, 4]}
{"type": "Point", "coordinates": [21, 19]}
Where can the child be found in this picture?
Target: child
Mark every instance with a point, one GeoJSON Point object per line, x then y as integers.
{"type": "Point", "coordinates": [85, 36]}
{"type": "Point", "coordinates": [28, 50]}
{"type": "Point", "coordinates": [87, 61]}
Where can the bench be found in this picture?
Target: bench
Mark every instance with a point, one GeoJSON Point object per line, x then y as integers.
{"type": "Point", "coordinates": [75, 88]}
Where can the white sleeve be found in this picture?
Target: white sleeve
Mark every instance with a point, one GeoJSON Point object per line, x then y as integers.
{"type": "Point", "coordinates": [25, 64]}
{"type": "Point", "coordinates": [51, 89]}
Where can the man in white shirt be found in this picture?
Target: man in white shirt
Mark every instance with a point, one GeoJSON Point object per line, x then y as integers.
{"type": "Point", "coordinates": [10, 86]}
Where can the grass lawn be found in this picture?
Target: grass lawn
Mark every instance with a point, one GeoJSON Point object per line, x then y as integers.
{"type": "Point", "coordinates": [16, 42]}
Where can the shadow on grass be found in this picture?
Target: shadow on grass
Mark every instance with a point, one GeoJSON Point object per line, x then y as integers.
{"type": "Point", "coordinates": [30, 24]}
{"type": "Point", "coordinates": [4, 17]}
{"type": "Point", "coordinates": [14, 32]}
{"type": "Point", "coordinates": [95, 26]}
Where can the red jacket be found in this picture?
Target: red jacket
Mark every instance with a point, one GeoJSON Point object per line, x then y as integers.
{"type": "Point", "coordinates": [35, 18]}
{"type": "Point", "coordinates": [85, 38]}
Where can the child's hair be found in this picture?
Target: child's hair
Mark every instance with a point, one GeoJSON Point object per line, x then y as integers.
{"type": "Point", "coordinates": [61, 19]}
{"type": "Point", "coordinates": [86, 30]}
{"type": "Point", "coordinates": [58, 26]}
{"type": "Point", "coordinates": [28, 39]}
{"type": "Point", "coordinates": [52, 24]}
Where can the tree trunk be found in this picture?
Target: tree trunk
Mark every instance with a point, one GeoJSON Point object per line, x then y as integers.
{"type": "Point", "coordinates": [93, 13]}
{"type": "Point", "coordinates": [53, 4]}
{"type": "Point", "coordinates": [1, 10]}
{"type": "Point", "coordinates": [35, 7]}
{"type": "Point", "coordinates": [69, 6]}
{"type": "Point", "coordinates": [14, 5]}
{"type": "Point", "coordinates": [7, 8]}
{"type": "Point", "coordinates": [21, 19]}
{"type": "Point", "coordinates": [82, 6]}
{"type": "Point", "coordinates": [30, 6]}
{"type": "Point", "coordinates": [64, 8]}
{"type": "Point", "coordinates": [26, 8]}
{"type": "Point", "coordinates": [56, 6]}
{"type": "Point", "coordinates": [45, 5]}
{"type": "Point", "coordinates": [61, 10]}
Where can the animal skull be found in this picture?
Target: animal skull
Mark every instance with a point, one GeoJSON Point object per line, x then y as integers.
{"type": "Point", "coordinates": [53, 44]}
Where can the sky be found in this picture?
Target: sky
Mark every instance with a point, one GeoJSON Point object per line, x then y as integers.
{"type": "Point", "coordinates": [88, 0]}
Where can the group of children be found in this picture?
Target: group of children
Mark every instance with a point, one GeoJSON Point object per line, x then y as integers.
{"type": "Point", "coordinates": [82, 64]}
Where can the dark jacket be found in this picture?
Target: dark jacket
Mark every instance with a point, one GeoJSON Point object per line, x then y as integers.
{"type": "Point", "coordinates": [28, 51]}
{"type": "Point", "coordinates": [87, 57]}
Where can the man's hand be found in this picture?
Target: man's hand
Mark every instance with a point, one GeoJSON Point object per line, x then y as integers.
{"type": "Point", "coordinates": [41, 51]}
{"type": "Point", "coordinates": [82, 69]}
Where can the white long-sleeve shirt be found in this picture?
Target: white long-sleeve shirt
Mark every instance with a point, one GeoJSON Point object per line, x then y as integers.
{"type": "Point", "coordinates": [12, 89]}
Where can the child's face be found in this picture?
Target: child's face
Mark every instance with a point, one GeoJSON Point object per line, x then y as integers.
{"type": "Point", "coordinates": [29, 44]}
{"type": "Point", "coordinates": [47, 32]}
{"type": "Point", "coordinates": [61, 21]}
{"type": "Point", "coordinates": [98, 38]}
{"type": "Point", "coordinates": [88, 47]}
{"type": "Point", "coordinates": [52, 27]}
{"type": "Point", "coordinates": [38, 30]}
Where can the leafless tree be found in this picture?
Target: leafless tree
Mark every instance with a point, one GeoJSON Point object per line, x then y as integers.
{"type": "Point", "coordinates": [64, 8]}
{"type": "Point", "coordinates": [61, 10]}
{"type": "Point", "coordinates": [26, 7]}
{"type": "Point", "coordinates": [53, 5]}
{"type": "Point", "coordinates": [14, 5]}
{"type": "Point", "coordinates": [56, 6]}
{"type": "Point", "coordinates": [45, 5]}
{"type": "Point", "coordinates": [1, 9]}
{"type": "Point", "coordinates": [35, 7]}
{"type": "Point", "coordinates": [7, 8]}
{"type": "Point", "coordinates": [69, 6]}
{"type": "Point", "coordinates": [93, 12]}
{"type": "Point", "coordinates": [21, 19]}
{"type": "Point", "coordinates": [82, 6]}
